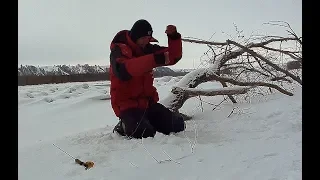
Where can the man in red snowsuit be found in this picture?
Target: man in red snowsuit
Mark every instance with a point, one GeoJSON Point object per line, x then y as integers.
{"type": "Point", "coordinates": [134, 99]}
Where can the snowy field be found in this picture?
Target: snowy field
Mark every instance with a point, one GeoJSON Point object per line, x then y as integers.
{"type": "Point", "coordinates": [261, 140]}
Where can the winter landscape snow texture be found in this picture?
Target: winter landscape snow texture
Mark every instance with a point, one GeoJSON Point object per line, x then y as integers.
{"type": "Point", "coordinates": [259, 140]}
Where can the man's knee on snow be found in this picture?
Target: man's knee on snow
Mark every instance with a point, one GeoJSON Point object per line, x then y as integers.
{"type": "Point", "coordinates": [173, 124]}
{"type": "Point", "coordinates": [135, 125]}
{"type": "Point", "coordinates": [164, 120]}
{"type": "Point", "coordinates": [178, 123]}
{"type": "Point", "coordinates": [142, 130]}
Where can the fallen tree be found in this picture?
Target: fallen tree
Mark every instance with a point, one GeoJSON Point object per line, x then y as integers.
{"type": "Point", "coordinates": [257, 61]}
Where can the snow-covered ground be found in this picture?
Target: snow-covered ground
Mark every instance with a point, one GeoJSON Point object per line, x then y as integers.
{"type": "Point", "coordinates": [259, 140]}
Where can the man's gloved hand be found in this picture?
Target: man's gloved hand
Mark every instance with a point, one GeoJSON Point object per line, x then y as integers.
{"type": "Point", "coordinates": [172, 32]}
{"type": "Point", "coordinates": [171, 29]}
{"type": "Point", "coordinates": [163, 58]}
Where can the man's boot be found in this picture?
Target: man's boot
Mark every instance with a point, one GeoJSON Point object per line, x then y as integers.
{"type": "Point", "coordinates": [119, 129]}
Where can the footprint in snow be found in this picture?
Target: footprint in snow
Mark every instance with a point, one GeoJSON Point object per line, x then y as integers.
{"type": "Point", "coordinates": [44, 94]}
{"type": "Point", "coordinates": [72, 89]}
{"type": "Point", "coordinates": [48, 99]}
{"type": "Point", "coordinates": [85, 86]}
{"type": "Point", "coordinates": [274, 114]}
{"type": "Point", "coordinates": [29, 95]}
{"type": "Point", "coordinates": [65, 96]}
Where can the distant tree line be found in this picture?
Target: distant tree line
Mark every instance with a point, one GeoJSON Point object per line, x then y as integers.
{"type": "Point", "coordinates": [32, 75]}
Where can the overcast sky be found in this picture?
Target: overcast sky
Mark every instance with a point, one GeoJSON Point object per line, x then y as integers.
{"type": "Point", "coordinates": [73, 32]}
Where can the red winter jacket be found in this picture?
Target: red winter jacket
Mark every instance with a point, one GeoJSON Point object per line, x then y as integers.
{"type": "Point", "coordinates": [131, 70]}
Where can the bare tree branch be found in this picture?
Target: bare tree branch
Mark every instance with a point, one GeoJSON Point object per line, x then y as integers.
{"type": "Point", "coordinates": [289, 53]}
{"type": "Point", "coordinates": [186, 93]}
{"type": "Point", "coordinates": [192, 92]}
{"type": "Point", "coordinates": [224, 84]}
{"type": "Point", "coordinates": [267, 61]}
{"type": "Point", "coordinates": [254, 62]}
{"type": "Point", "coordinates": [239, 83]}
{"type": "Point", "coordinates": [246, 68]}
{"type": "Point", "coordinates": [203, 42]}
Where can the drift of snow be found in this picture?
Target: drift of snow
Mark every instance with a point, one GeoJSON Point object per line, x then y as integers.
{"type": "Point", "coordinates": [257, 140]}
